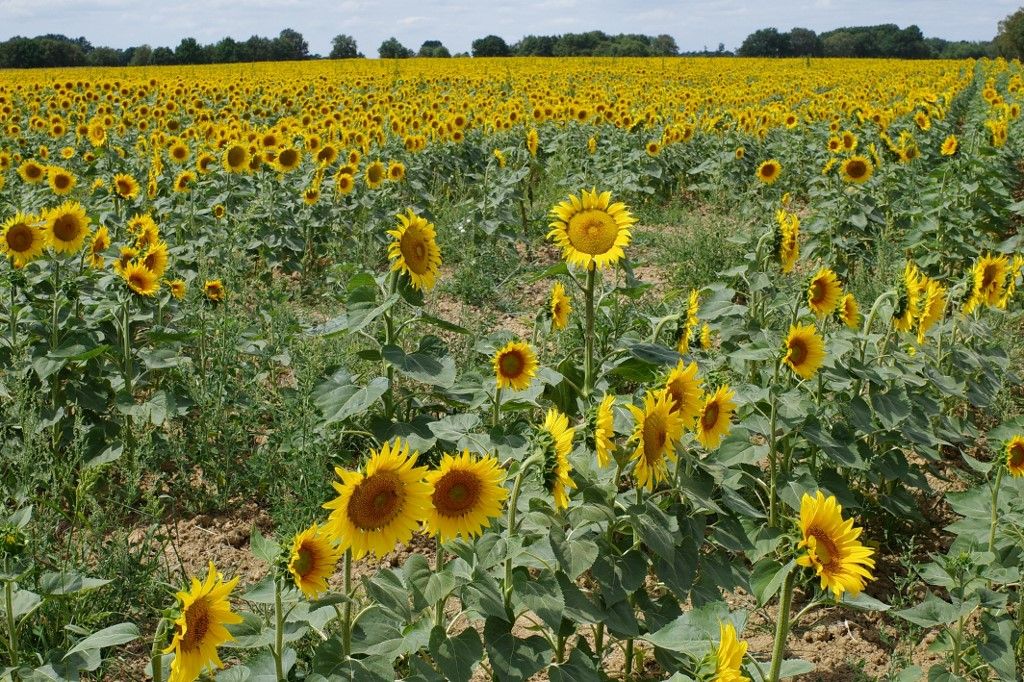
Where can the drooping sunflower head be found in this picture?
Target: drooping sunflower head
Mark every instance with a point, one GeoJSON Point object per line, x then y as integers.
{"type": "Point", "coordinates": [532, 141]}
{"type": "Point", "coordinates": [375, 175]}
{"type": "Point", "coordinates": [414, 250]}
{"type": "Point", "coordinates": [140, 279]}
{"type": "Point", "coordinates": [61, 181]}
{"type": "Point", "coordinates": [204, 611]}
{"type": "Point", "coordinates": [68, 226]}
{"type": "Point", "coordinates": [933, 308]}
{"type": "Point", "coordinates": [312, 560]}
{"type": "Point", "coordinates": [515, 365]}
{"type": "Point", "coordinates": [857, 169]}
{"type": "Point", "coordinates": [591, 230]}
{"type": "Point", "coordinates": [560, 307]}
{"type": "Point", "coordinates": [184, 181]}
{"type": "Point", "coordinates": [656, 431]}
{"type": "Point", "coordinates": [715, 419]}
{"type": "Point", "coordinates": [769, 171]}
{"type": "Point", "coordinates": [156, 258]}
{"type": "Point", "coordinates": [990, 275]}
{"type": "Point", "coordinates": [214, 290]}
{"type": "Point", "coordinates": [100, 243]}
{"type": "Point", "coordinates": [787, 239]}
{"type": "Point", "coordinates": [466, 492]}
{"type": "Point", "coordinates": [824, 292]}
{"type": "Point", "coordinates": [381, 505]}
{"type": "Point", "coordinates": [604, 430]}
{"type": "Point", "coordinates": [908, 303]}
{"type": "Point", "coordinates": [554, 440]}
{"type": "Point", "coordinates": [178, 288]}
{"type": "Point", "coordinates": [1015, 456]}
{"type": "Point", "coordinates": [684, 392]}
{"type": "Point", "coordinates": [23, 238]}
{"type": "Point", "coordinates": [805, 350]}
{"type": "Point", "coordinates": [729, 655]}
{"type": "Point", "coordinates": [848, 311]}
{"type": "Point", "coordinates": [833, 550]}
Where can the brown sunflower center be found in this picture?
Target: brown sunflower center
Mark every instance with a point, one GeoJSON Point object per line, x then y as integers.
{"type": "Point", "coordinates": [824, 548]}
{"type": "Point", "coordinates": [374, 174]}
{"type": "Point", "coordinates": [376, 501]}
{"type": "Point", "coordinates": [124, 188]}
{"type": "Point", "coordinates": [305, 560]}
{"type": "Point", "coordinates": [61, 181]}
{"type": "Point", "coordinates": [592, 231]}
{"type": "Point", "coordinates": [288, 158]}
{"type": "Point", "coordinates": [20, 238]}
{"type": "Point", "coordinates": [414, 251]}
{"type": "Point", "coordinates": [236, 156]}
{"type": "Point", "coordinates": [1016, 459]}
{"type": "Point", "coordinates": [511, 364]}
{"type": "Point", "coordinates": [33, 172]}
{"type": "Point", "coordinates": [988, 276]}
{"type": "Point", "coordinates": [818, 291]}
{"type": "Point", "coordinates": [655, 435]}
{"type": "Point", "coordinates": [768, 171]}
{"type": "Point", "coordinates": [797, 351]}
{"type": "Point", "coordinates": [197, 624]}
{"type": "Point", "coordinates": [66, 228]}
{"type": "Point", "coordinates": [179, 153]}
{"type": "Point", "coordinates": [456, 493]}
{"type": "Point", "coordinates": [710, 416]}
{"type": "Point", "coordinates": [139, 280]}
{"type": "Point", "coordinates": [856, 169]}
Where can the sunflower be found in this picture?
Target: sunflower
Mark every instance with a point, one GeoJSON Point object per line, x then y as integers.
{"type": "Point", "coordinates": [178, 288]}
{"type": "Point", "coordinates": [990, 275]}
{"type": "Point", "coordinates": [61, 181]}
{"type": "Point", "coordinates": [145, 229]}
{"type": "Point", "coordinates": [97, 133]}
{"type": "Point", "coordinates": [933, 308]}
{"type": "Point", "coordinates": [805, 350]}
{"type": "Point", "coordinates": [787, 239]}
{"type": "Point", "coordinates": [685, 332]}
{"type": "Point", "coordinates": [204, 164]}
{"type": "Point", "coordinates": [857, 169]}
{"type": "Point", "coordinates": [1015, 456]}
{"type": "Point", "coordinates": [414, 250]}
{"type": "Point", "coordinates": [908, 305]}
{"type": "Point", "coordinates": [183, 182]}
{"type": "Point", "coordinates": [656, 432]}
{"type": "Point", "coordinates": [465, 494]}
{"type": "Point", "coordinates": [214, 290]}
{"type": "Point", "coordinates": [684, 390]}
{"type": "Point", "coordinates": [199, 628]}
{"type": "Point", "coordinates": [653, 148]}
{"type": "Point", "coordinates": [591, 230]}
{"type": "Point", "coordinates": [824, 292]}
{"type": "Point", "coordinates": [344, 183]}
{"type": "Point", "coordinates": [125, 186]}
{"type": "Point", "coordinates": [219, 211]}
{"type": "Point", "coordinates": [560, 307]}
{"type": "Point", "coordinates": [740, 153]}
{"type": "Point", "coordinates": [141, 279]}
{"type": "Point", "coordinates": [125, 256]}
{"type": "Point", "coordinates": [312, 560]}
{"type": "Point", "coordinates": [714, 420]}
{"type": "Point", "coordinates": [380, 506]}
{"type": "Point", "coordinates": [396, 171]}
{"type": "Point", "coordinates": [532, 141]}
{"type": "Point", "coordinates": [236, 159]}
{"type": "Point", "coordinates": [23, 238]}
{"type": "Point", "coordinates": [178, 151]}
{"type": "Point", "coordinates": [833, 551]}
{"type": "Point", "coordinates": [848, 312]}
{"type": "Point", "coordinates": [68, 226]}
{"type": "Point", "coordinates": [515, 365]}
{"type": "Point", "coordinates": [604, 430]}
{"type": "Point", "coordinates": [327, 155]}
{"type": "Point", "coordinates": [288, 160]}
{"type": "Point", "coordinates": [768, 172]}
{"type": "Point", "coordinates": [555, 439]}
{"type": "Point", "coordinates": [32, 172]}
{"type": "Point", "coordinates": [500, 156]}
{"type": "Point", "coordinates": [156, 258]}
{"type": "Point", "coordinates": [100, 242]}
{"type": "Point", "coordinates": [729, 655]}
{"type": "Point", "coordinates": [375, 175]}
{"type": "Point", "coordinates": [949, 146]}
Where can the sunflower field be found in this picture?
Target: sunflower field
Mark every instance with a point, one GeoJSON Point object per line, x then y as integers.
{"type": "Point", "coordinates": [513, 369]}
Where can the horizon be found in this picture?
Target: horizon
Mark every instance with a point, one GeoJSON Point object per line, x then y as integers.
{"type": "Point", "coordinates": [103, 22]}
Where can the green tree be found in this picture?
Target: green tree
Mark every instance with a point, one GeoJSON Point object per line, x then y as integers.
{"type": "Point", "coordinates": [765, 42]}
{"type": "Point", "coordinates": [433, 48]}
{"type": "Point", "coordinates": [344, 47]}
{"type": "Point", "coordinates": [1009, 40]}
{"type": "Point", "coordinates": [392, 49]}
{"type": "Point", "coordinates": [803, 42]}
{"type": "Point", "coordinates": [491, 46]}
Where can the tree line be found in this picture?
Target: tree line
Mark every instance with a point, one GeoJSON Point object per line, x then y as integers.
{"type": "Point", "coordinates": [883, 40]}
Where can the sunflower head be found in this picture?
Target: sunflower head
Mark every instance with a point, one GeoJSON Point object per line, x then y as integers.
{"type": "Point", "coordinates": [396, 171]}
{"type": "Point", "coordinates": [684, 392]}
{"type": "Point", "coordinates": [99, 244]}
{"type": "Point", "coordinates": [515, 365]}
{"type": "Point", "coordinates": [311, 560]}
{"type": "Point", "coordinates": [591, 230]}
{"type": "Point", "coordinates": [950, 145]}
{"type": "Point", "coordinates": [857, 169]}
{"type": "Point", "coordinates": [61, 181]}
{"type": "Point", "coordinates": [658, 428]}
{"type": "Point", "coordinates": [141, 279]}
{"type": "Point", "coordinates": [554, 441]}
{"type": "Point", "coordinates": [203, 612]}
{"type": "Point", "coordinates": [769, 171]}
{"type": "Point", "coordinates": [603, 425]}
{"type": "Point", "coordinates": [125, 186]}
{"type": "Point", "coordinates": [375, 175]}
{"type": "Point", "coordinates": [214, 291]}
{"type": "Point", "coordinates": [848, 311]}
{"type": "Point", "coordinates": [236, 159]}
{"type": "Point", "coordinates": [23, 238]}
{"type": "Point", "coordinates": [715, 418]}
{"type": "Point", "coordinates": [933, 308]}
{"type": "Point", "coordinates": [381, 505]}
{"type": "Point", "coordinates": [824, 292]}
{"type": "Point", "coordinates": [1015, 456]}
{"type": "Point", "coordinates": [729, 655]}
{"type": "Point", "coordinates": [178, 288]}
{"type": "Point", "coordinates": [68, 226]}
{"type": "Point", "coordinates": [466, 492]}
{"type": "Point", "coordinates": [414, 250]}
{"type": "Point", "coordinates": [560, 307]}
{"type": "Point", "coordinates": [908, 303]}
{"type": "Point", "coordinates": [833, 550]}
{"type": "Point", "coordinates": [805, 350]}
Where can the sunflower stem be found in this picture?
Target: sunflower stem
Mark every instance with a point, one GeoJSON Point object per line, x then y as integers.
{"type": "Point", "coordinates": [12, 639]}
{"type": "Point", "coordinates": [588, 367]}
{"type": "Point", "coordinates": [995, 507]}
{"type": "Point", "coordinates": [156, 651]}
{"type": "Point", "coordinates": [438, 567]}
{"type": "Point", "coordinates": [346, 623]}
{"type": "Point", "coordinates": [12, 318]}
{"type": "Point", "coordinates": [495, 414]}
{"type": "Point", "coordinates": [629, 659]}
{"type": "Point", "coordinates": [773, 455]}
{"type": "Point", "coordinates": [782, 629]}
{"type": "Point", "coordinates": [278, 632]}
{"type": "Point", "coordinates": [513, 502]}
{"type": "Point", "coordinates": [599, 643]}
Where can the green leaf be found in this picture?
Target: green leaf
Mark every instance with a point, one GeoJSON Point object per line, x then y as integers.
{"type": "Point", "coordinates": [767, 577]}
{"type": "Point", "coordinates": [540, 594]}
{"type": "Point", "coordinates": [513, 659]}
{"type": "Point", "coordinates": [251, 633]}
{"type": "Point", "coordinates": [930, 612]}
{"type": "Point", "coordinates": [340, 401]}
{"type": "Point", "coordinates": [55, 584]}
{"type": "Point", "coordinates": [422, 367]}
{"type": "Point", "coordinates": [111, 636]}
{"type": "Point", "coordinates": [654, 354]}
{"type": "Point", "coordinates": [264, 548]}
{"type": "Point", "coordinates": [456, 656]}
{"type": "Point", "coordinates": [483, 594]}
{"type": "Point", "coordinates": [997, 649]}
{"type": "Point", "coordinates": [574, 556]}
{"type": "Point", "coordinates": [579, 668]}
{"type": "Point", "coordinates": [110, 454]}
{"type": "Point", "coordinates": [692, 632]}
{"type": "Point", "coordinates": [444, 324]}
{"type": "Point", "coordinates": [864, 602]}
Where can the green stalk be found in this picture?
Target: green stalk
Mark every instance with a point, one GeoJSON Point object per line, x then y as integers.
{"type": "Point", "coordinates": [12, 319]}
{"type": "Point", "coordinates": [513, 502]}
{"type": "Point", "coordinates": [995, 508]}
{"type": "Point", "coordinates": [12, 640]}
{"type": "Point", "coordinates": [773, 455]}
{"type": "Point", "coordinates": [599, 643]}
{"type": "Point", "coordinates": [438, 567]}
{"type": "Point", "coordinates": [156, 651]}
{"type": "Point", "coordinates": [629, 658]}
{"type": "Point", "coordinates": [346, 623]}
{"type": "Point", "coordinates": [54, 340]}
{"type": "Point", "coordinates": [588, 367]}
{"type": "Point", "coordinates": [782, 630]}
{"type": "Point", "coordinates": [497, 407]}
{"type": "Point", "coordinates": [278, 632]}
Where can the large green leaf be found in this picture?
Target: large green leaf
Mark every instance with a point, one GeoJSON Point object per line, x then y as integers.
{"type": "Point", "coordinates": [456, 656]}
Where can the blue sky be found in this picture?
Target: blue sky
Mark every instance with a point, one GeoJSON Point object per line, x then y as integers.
{"type": "Point", "coordinates": [693, 23]}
